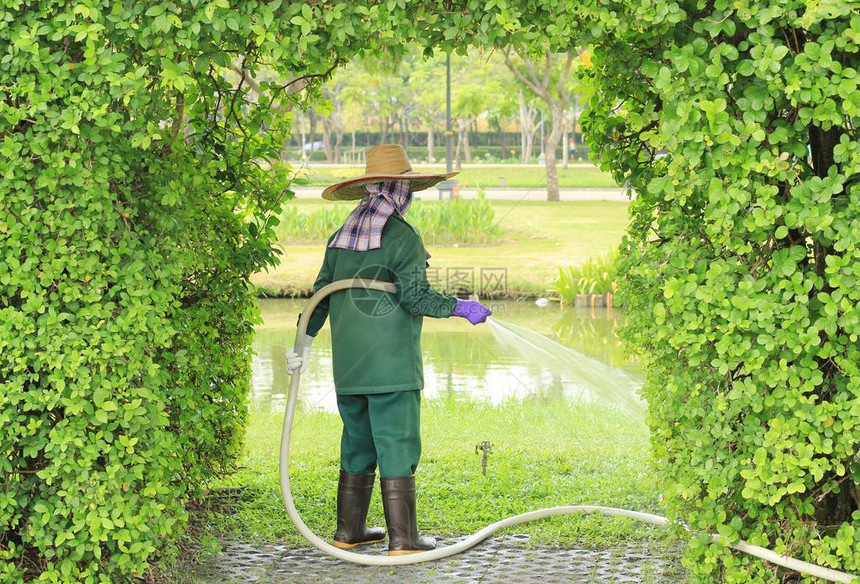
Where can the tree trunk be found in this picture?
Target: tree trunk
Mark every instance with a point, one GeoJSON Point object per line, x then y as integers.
{"type": "Point", "coordinates": [338, 140]}
{"type": "Point", "coordinates": [821, 145]}
{"type": "Point", "coordinates": [337, 116]}
{"type": "Point", "coordinates": [522, 146]}
{"type": "Point", "coordinates": [302, 141]}
{"type": "Point", "coordinates": [476, 137]}
{"type": "Point", "coordinates": [467, 150]}
{"type": "Point", "coordinates": [837, 508]}
{"type": "Point", "coordinates": [326, 139]}
{"type": "Point", "coordinates": [552, 139]}
{"type": "Point", "coordinates": [332, 124]}
{"type": "Point", "coordinates": [313, 130]}
{"type": "Point", "coordinates": [463, 141]}
{"type": "Point", "coordinates": [831, 509]}
{"type": "Point", "coordinates": [565, 146]}
{"type": "Point", "coordinates": [575, 120]}
{"type": "Point", "coordinates": [538, 129]}
{"type": "Point", "coordinates": [554, 95]}
{"type": "Point", "coordinates": [527, 120]}
{"type": "Point", "coordinates": [457, 150]}
{"type": "Point", "coordinates": [542, 125]}
{"type": "Point", "coordinates": [430, 158]}
{"type": "Point", "coordinates": [332, 129]}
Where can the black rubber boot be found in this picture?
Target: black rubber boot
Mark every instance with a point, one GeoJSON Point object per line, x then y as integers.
{"type": "Point", "coordinates": [398, 502]}
{"type": "Point", "coordinates": [353, 500]}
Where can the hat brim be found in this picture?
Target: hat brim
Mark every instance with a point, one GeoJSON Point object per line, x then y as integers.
{"type": "Point", "coordinates": [351, 189]}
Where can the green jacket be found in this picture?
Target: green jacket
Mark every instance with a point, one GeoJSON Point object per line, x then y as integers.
{"type": "Point", "coordinates": [376, 336]}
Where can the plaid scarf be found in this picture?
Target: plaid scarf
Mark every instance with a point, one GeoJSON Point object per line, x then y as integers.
{"type": "Point", "coordinates": [362, 230]}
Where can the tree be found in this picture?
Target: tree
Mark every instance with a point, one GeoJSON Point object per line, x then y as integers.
{"type": "Point", "coordinates": [548, 78]}
{"type": "Point", "coordinates": [428, 95]}
{"type": "Point", "coordinates": [476, 91]}
{"type": "Point", "coordinates": [356, 103]}
{"type": "Point", "coordinates": [385, 86]}
{"type": "Point", "coordinates": [412, 90]}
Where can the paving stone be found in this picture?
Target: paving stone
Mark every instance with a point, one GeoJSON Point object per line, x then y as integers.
{"type": "Point", "coordinates": [500, 559]}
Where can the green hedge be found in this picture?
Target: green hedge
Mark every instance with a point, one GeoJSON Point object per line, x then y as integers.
{"type": "Point", "coordinates": [741, 267]}
{"type": "Point", "coordinates": [124, 331]}
{"type": "Point", "coordinates": [136, 201]}
{"type": "Point", "coordinates": [125, 315]}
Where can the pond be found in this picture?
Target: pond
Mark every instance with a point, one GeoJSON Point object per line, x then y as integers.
{"type": "Point", "coordinates": [528, 351]}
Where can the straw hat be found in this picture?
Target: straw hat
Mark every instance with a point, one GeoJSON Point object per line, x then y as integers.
{"type": "Point", "coordinates": [385, 162]}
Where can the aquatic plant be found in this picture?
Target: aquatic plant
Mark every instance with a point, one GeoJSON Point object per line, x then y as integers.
{"type": "Point", "coordinates": [455, 221]}
{"type": "Point", "coordinates": [315, 226]}
{"type": "Point", "coordinates": [595, 276]}
{"type": "Point", "coordinates": [462, 221]}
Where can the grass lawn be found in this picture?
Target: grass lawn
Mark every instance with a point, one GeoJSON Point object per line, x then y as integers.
{"type": "Point", "coordinates": [539, 238]}
{"type": "Point", "coordinates": [573, 177]}
{"type": "Point", "coordinates": [545, 453]}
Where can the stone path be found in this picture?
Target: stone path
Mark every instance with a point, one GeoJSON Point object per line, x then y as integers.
{"type": "Point", "coordinates": [508, 559]}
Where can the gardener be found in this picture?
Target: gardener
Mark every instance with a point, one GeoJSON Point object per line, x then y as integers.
{"type": "Point", "coordinates": [376, 351]}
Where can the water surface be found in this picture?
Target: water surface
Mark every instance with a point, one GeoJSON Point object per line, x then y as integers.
{"type": "Point", "coordinates": [570, 353]}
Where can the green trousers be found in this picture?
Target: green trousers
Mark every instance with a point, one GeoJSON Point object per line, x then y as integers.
{"type": "Point", "coordinates": [380, 429]}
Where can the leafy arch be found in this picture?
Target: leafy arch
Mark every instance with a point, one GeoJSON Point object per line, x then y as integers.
{"type": "Point", "coordinates": [136, 202]}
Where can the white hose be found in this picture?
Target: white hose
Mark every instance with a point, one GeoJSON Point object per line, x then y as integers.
{"type": "Point", "coordinates": [471, 541]}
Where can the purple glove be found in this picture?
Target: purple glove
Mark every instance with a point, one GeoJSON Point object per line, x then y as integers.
{"type": "Point", "coordinates": [471, 310]}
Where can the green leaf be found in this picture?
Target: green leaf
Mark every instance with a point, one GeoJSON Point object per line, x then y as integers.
{"type": "Point", "coordinates": [101, 416]}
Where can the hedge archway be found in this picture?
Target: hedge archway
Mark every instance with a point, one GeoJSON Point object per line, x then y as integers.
{"type": "Point", "coordinates": [133, 214]}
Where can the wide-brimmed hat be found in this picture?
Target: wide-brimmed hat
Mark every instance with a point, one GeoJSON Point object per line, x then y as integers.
{"type": "Point", "coordinates": [383, 163]}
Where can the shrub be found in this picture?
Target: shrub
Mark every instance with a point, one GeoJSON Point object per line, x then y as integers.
{"type": "Point", "coordinates": [125, 252]}
{"type": "Point", "coordinates": [124, 332]}
{"type": "Point", "coordinates": [741, 266]}
{"type": "Point", "coordinates": [457, 221]}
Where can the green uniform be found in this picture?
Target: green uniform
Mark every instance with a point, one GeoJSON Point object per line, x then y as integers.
{"type": "Point", "coordinates": [376, 346]}
{"type": "Point", "coordinates": [380, 428]}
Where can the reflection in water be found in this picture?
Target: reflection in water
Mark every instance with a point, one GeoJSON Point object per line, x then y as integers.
{"type": "Point", "coordinates": [465, 362]}
{"type": "Point", "coordinates": [592, 331]}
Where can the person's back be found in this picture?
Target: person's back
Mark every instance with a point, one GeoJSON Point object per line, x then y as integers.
{"type": "Point", "coordinates": [376, 350]}
{"type": "Point", "coordinates": [376, 335]}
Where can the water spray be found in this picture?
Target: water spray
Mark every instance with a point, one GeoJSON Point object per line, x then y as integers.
{"type": "Point", "coordinates": [476, 538]}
